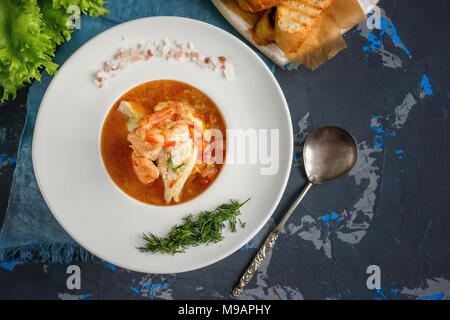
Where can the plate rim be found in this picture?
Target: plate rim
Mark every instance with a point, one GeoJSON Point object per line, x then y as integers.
{"type": "Point", "coordinates": [249, 235]}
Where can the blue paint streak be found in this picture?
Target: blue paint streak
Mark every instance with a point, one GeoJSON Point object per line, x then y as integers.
{"type": "Point", "coordinates": [380, 292]}
{"type": "Point", "coordinates": [375, 40]}
{"type": "Point", "coordinates": [426, 232]}
{"type": "Point", "coordinates": [11, 160]}
{"type": "Point", "coordinates": [109, 265]}
{"type": "Point", "coordinates": [381, 133]}
{"type": "Point", "coordinates": [425, 85]}
{"type": "Point", "coordinates": [152, 288]}
{"type": "Point", "coordinates": [437, 296]}
{"type": "Point", "coordinates": [396, 291]}
{"type": "Point", "coordinates": [379, 141]}
{"type": "Point", "coordinates": [135, 290]}
{"type": "Point", "coordinates": [85, 296]}
{"type": "Point", "coordinates": [288, 292]}
{"type": "Point", "coordinates": [328, 219]}
{"type": "Point", "coordinates": [9, 265]}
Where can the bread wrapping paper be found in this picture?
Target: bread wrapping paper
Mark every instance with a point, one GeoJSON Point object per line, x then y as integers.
{"type": "Point", "coordinates": [324, 41]}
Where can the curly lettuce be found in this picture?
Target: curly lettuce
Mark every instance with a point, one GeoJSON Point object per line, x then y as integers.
{"type": "Point", "coordinates": [55, 22]}
{"type": "Point", "coordinates": [30, 31]}
{"type": "Point", "coordinates": [93, 7]}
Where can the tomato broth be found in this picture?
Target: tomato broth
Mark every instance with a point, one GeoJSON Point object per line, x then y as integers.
{"type": "Point", "coordinates": [116, 151]}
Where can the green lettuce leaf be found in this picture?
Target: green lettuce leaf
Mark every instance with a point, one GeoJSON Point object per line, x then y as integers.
{"type": "Point", "coordinates": [30, 30]}
{"type": "Point", "coordinates": [93, 7]}
{"type": "Point", "coordinates": [24, 47]}
{"type": "Point", "coordinates": [56, 20]}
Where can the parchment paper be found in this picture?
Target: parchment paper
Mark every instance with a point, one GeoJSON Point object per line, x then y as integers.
{"type": "Point", "coordinates": [324, 41]}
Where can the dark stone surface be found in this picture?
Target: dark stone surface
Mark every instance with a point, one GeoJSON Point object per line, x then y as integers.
{"type": "Point", "coordinates": [391, 211]}
{"type": "Point", "coordinates": [12, 120]}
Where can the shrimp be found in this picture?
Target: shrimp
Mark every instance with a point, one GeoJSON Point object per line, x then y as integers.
{"type": "Point", "coordinates": [179, 132]}
{"type": "Point", "coordinates": [149, 146]}
{"type": "Point", "coordinates": [144, 168]}
{"type": "Point", "coordinates": [146, 140]}
{"type": "Point", "coordinates": [152, 120]}
{"type": "Point", "coordinates": [171, 136]}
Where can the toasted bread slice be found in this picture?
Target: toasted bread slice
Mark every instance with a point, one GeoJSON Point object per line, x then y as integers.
{"type": "Point", "coordinates": [294, 20]}
{"type": "Point", "coordinates": [264, 31]}
{"type": "Point", "coordinates": [257, 5]}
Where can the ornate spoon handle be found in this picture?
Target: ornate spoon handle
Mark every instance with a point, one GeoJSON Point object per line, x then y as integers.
{"type": "Point", "coordinates": [265, 248]}
{"type": "Point", "coordinates": [254, 265]}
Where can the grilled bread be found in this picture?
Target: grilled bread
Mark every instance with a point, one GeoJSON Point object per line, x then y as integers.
{"type": "Point", "coordinates": [264, 32]}
{"type": "Point", "coordinates": [257, 5]}
{"type": "Point", "coordinates": [294, 20]}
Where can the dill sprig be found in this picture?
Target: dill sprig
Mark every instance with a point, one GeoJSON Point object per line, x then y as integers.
{"type": "Point", "coordinates": [170, 164]}
{"type": "Point", "coordinates": [206, 229]}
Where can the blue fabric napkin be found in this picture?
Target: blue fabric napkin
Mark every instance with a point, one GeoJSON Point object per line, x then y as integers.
{"type": "Point", "coordinates": [29, 227]}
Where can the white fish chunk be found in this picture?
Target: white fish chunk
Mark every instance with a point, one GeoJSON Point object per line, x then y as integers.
{"type": "Point", "coordinates": [132, 113]}
{"type": "Point", "coordinates": [127, 109]}
{"type": "Point", "coordinates": [175, 163]}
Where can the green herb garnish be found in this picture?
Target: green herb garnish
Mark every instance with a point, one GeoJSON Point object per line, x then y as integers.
{"type": "Point", "coordinates": [206, 229]}
{"type": "Point", "coordinates": [170, 164]}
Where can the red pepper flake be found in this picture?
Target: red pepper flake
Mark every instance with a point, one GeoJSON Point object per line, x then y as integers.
{"type": "Point", "coordinates": [196, 54]}
{"type": "Point", "coordinates": [222, 59]}
{"type": "Point", "coordinates": [207, 60]}
{"type": "Point", "coordinates": [169, 143]}
{"type": "Point", "coordinates": [149, 53]}
{"type": "Point", "coordinates": [222, 66]}
{"type": "Point", "coordinates": [100, 79]}
{"type": "Point", "coordinates": [151, 140]}
{"type": "Point", "coordinates": [186, 54]}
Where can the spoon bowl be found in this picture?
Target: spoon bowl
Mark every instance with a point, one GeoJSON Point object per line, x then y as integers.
{"type": "Point", "coordinates": [329, 154]}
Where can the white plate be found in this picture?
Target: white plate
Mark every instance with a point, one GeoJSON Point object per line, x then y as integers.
{"type": "Point", "coordinates": [66, 145]}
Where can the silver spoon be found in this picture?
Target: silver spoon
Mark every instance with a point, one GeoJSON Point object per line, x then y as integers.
{"type": "Point", "coordinates": [329, 153]}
